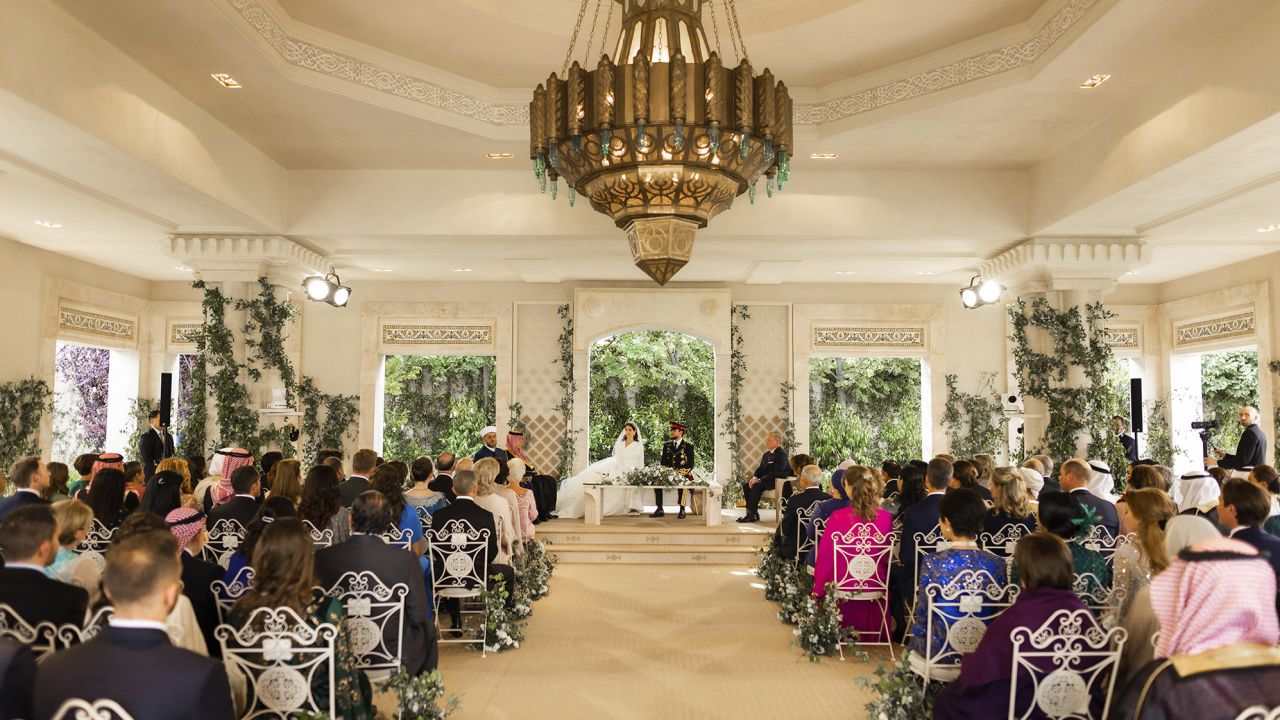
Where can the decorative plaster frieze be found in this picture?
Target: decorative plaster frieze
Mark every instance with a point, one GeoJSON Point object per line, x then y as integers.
{"type": "Point", "coordinates": [246, 257]}
{"type": "Point", "coordinates": [1124, 338]}
{"type": "Point", "coordinates": [1205, 331]}
{"type": "Point", "coordinates": [183, 333]}
{"type": "Point", "coordinates": [413, 334]}
{"type": "Point", "coordinates": [869, 337]}
{"type": "Point", "coordinates": [1041, 264]}
{"type": "Point", "coordinates": [95, 323]}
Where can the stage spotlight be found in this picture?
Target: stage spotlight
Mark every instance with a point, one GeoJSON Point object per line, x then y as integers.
{"type": "Point", "coordinates": [980, 293]}
{"type": "Point", "coordinates": [328, 288]}
{"type": "Point", "coordinates": [317, 287]}
{"type": "Point", "coordinates": [990, 291]}
{"type": "Point", "coordinates": [969, 297]}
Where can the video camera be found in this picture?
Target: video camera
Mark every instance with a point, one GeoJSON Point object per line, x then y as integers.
{"type": "Point", "coordinates": [1213, 424]}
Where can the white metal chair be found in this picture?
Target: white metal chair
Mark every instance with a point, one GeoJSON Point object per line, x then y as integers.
{"type": "Point", "coordinates": [320, 538]}
{"type": "Point", "coordinates": [95, 544]}
{"type": "Point", "coordinates": [1069, 660]}
{"type": "Point", "coordinates": [424, 517]}
{"type": "Point", "coordinates": [965, 606]}
{"type": "Point", "coordinates": [819, 526]}
{"type": "Point", "coordinates": [1260, 712]}
{"type": "Point", "coordinates": [77, 709]}
{"type": "Point", "coordinates": [375, 621]}
{"type": "Point", "coordinates": [1104, 601]}
{"type": "Point", "coordinates": [1104, 543]}
{"type": "Point", "coordinates": [279, 656]}
{"type": "Point", "coordinates": [459, 569]}
{"type": "Point", "coordinates": [44, 638]}
{"type": "Point", "coordinates": [399, 538]}
{"type": "Point", "coordinates": [804, 516]}
{"type": "Point", "coordinates": [861, 572]}
{"type": "Point", "coordinates": [1003, 541]}
{"type": "Point", "coordinates": [225, 594]}
{"type": "Point", "coordinates": [927, 543]}
{"type": "Point", "coordinates": [225, 538]}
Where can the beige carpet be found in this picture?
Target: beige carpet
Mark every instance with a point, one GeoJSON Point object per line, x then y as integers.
{"type": "Point", "coordinates": [635, 641]}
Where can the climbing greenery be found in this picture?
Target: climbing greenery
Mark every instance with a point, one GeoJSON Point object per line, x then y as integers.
{"type": "Point", "coordinates": [434, 404]}
{"type": "Point", "coordinates": [733, 407]}
{"type": "Point", "coordinates": [22, 405]}
{"type": "Point", "coordinates": [264, 334]}
{"type": "Point", "coordinates": [1076, 342]}
{"type": "Point", "coordinates": [215, 344]}
{"type": "Point", "coordinates": [138, 413]}
{"type": "Point", "coordinates": [568, 386]}
{"type": "Point", "coordinates": [193, 386]}
{"type": "Point", "coordinates": [786, 391]}
{"type": "Point", "coordinates": [1228, 381]}
{"type": "Point", "coordinates": [867, 409]}
{"type": "Point", "coordinates": [336, 430]}
{"type": "Point", "coordinates": [1159, 433]}
{"type": "Point", "coordinates": [974, 422]}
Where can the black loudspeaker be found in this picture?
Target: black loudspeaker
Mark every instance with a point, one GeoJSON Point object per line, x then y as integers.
{"type": "Point", "coordinates": [1135, 404]}
{"type": "Point", "coordinates": [166, 397]}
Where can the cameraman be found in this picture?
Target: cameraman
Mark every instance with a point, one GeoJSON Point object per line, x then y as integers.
{"type": "Point", "coordinates": [1250, 451]}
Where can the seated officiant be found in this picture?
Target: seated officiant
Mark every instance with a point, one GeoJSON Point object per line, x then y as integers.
{"type": "Point", "coordinates": [773, 465]}
{"type": "Point", "coordinates": [489, 435]}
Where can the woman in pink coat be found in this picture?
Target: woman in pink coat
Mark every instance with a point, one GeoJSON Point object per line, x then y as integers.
{"type": "Point", "coordinates": [872, 525]}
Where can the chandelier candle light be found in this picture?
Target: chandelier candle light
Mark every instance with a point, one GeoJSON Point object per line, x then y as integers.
{"type": "Point", "coordinates": [666, 140]}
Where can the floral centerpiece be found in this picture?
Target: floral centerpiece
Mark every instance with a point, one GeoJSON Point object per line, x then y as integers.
{"type": "Point", "coordinates": [503, 630]}
{"type": "Point", "coordinates": [818, 631]}
{"type": "Point", "coordinates": [900, 694]}
{"type": "Point", "coordinates": [656, 476]}
{"type": "Point", "coordinates": [421, 697]}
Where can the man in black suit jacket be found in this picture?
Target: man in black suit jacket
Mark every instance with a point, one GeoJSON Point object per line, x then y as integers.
{"type": "Point", "coordinates": [1251, 450]}
{"type": "Point", "coordinates": [366, 551]}
{"type": "Point", "coordinates": [465, 508]}
{"type": "Point", "coordinates": [243, 506]}
{"type": "Point", "coordinates": [29, 539]}
{"type": "Point", "coordinates": [1074, 477]}
{"type": "Point", "coordinates": [155, 444]}
{"type": "Point", "coordinates": [773, 465]}
{"type": "Point", "coordinates": [363, 463]}
{"type": "Point", "coordinates": [142, 581]}
{"type": "Point", "coordinates": [919, 518]}
{"type": "Point", "coordinates": [17, 678]}
{"type": "Point", "coordinates": [788, 534]}
{"type": "Point", "coordinates": [443, 482]}
{"type": "Point", "coordinates": [31, 477]}
{"type": "Point", "coordinates": [198, 574]}
{"type": "Point", "coordinates": [1243, 508]}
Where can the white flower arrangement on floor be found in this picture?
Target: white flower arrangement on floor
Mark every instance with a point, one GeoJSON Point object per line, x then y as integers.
{"type": "Point", "coordinates": [795, 591]}
{"type": "Point", "coordinates": [769, 571]}
{"type": "Point", "coordinates": [503, 630]}
{"type": "Point", "coordinates": [420, 696]}
{"type": "Point", "coordinates": [532, 583]}
{"type": "Point", "coordinates": [900, 694]}
{"type": "Point", "coordinates": [818, 631]}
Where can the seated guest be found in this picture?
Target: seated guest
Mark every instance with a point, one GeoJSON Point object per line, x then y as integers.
{"type": "Point", "coordinates": [1062, 515]}
{"type": "Point", "coordinates": [197, 468]}
{"type": "Point", "coordinates": [17, 677]}
{"type": "Point", "coordinates": [891, 471]}
{"type": "Point", "coordinates": [1146, 476]}
{"type": "Point", "coordinates": [135, 480]}
{"type": "Point", "coordinates": [809, 484]}
{"type": "Point", "coordinates": [797, 463]}
{"type": "Point", "coordinates": [58, 476]}
{"type": "Point", "coordinates": [862, 485]}
{"type": "Point", "coordinates": [443, 481]}
{"type": "Point", "coordinates": [964, 474]}
{"type": "Point", "coordinates": [365, 551]}
{"type": "Point", "coordinates": [74, 520]}
{"type": "Point", "coordinates": [29, 539]}
{"type": "Point", "coordinates": [325, 454]}
{"type": "Point", "coordinates": [1242, 510]}
{"type": "Point", "coordinates": [286, 480]}
{"type": "Point", "coordinates": [179, 466]}
{"type": "Point", "coordinates": [982, 690]}
{"type": "Point", "coordinates": [824, 510]}
{"type": "Point", "coordinates": [102, 462]}
{"type": "Point", "coordinates": [489, 447]}
{"type": "Point", "coordinates": [773, 466]}
{"type": "Point", "coordinates": [386, 480]}
{"type": "Point", "coordinates": [486, 497]}
{"type": "Point", "coordinates": [143, 581]}
{"type": "Point", "coordinates": [218, 488]}
{"type": "Point", "coordinates": [284, 576]}
{"type": "Point", "coordinates": [363, 463]}
{"type": "Point", "coordinates": [911, 482]}
{"type": "Point", "coordinates": [420, 494]}
{"type": "Point", "coordinates": [163, 493]}
{"type": "Point", "coordinates": [1075, 477]}
{"type": "Point", "coordinates": [501, 489]}
{"type": "Point", "coordinates": [322, 502]}
{"type": "Point", "coordinates": [1265, 477]}
{"type": "Point", "coordinates": [960, 515]}
{"type": "Point", "coordinates": [243, 505]}
{"type": "Point", "coordinates": [1147, 512]}
{"type": "Point", "coordinates": [109, 498]}
{"type": "Point", "coordinates": [198, 574]}
{"type": "Point", "coordinates": [83, 465]}
{"type": "Point", "coordinates": [273, 509]}
{"type": "Point", "coordinates": [1217, 655]}
{"type": "Point", "coordinates": [986, 466]}
{"type": "Point", "coordinates": [465, 508]}
{"type": "Point", "coordinates": [526, 505]}
{"type": "Point", "coordinates": [268, 463]}
{"type": "Point", "coordinates": [1035, 485]}
{"type": "Point", "coordinates": [1198, 495]}
{"type": "Point", "coordinates": [183, 627]}
{"type": "Point", "coordinates": [920, 518]}
{"type": "Point", "coordinates": [1010, 505]}
{"type": "Point", "coordinates": [338, 470]}
{"type": "Point", "coordinates": [30, 478]}
{"type": "Point", "coordinates": [542, 484]}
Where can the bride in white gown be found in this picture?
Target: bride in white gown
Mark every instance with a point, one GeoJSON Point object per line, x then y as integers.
{"type": "Point", "coordinates": [628, 454]}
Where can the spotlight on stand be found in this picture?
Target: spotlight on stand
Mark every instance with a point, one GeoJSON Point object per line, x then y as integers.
{"type": "Point", "coordinates": [327, 288]}
{"type": "Point", "coordinates": [980, 293]}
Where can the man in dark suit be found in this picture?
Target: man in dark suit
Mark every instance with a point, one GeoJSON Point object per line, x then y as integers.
{"type": "Point", "coordinates": [465, 508]}
{"type": "Point", "coordinates": [29, 540]}
{"type": "Point", "coordinates": [919, 518]}
{"type": "Point", "coordinates": [366, 551]}
{"type": "Point", "coordinates": [198, 574]}
{"type": "Point", "coordinates": [677, 454]}
{"type": "Point", "coordinates": [443, 481]}
{"type": "Point", "coordinates": [31, 478]}
{"type": "Point", "coordinates": [787, 535]}
{"type": "Point", "coordinates": [17, 677]}
{"type": "Point", "coordinates": [1243, 508]}
{"type": "Point", "coordinates": [243, 506]}
{"type": "Point", "coordinates": [1074, 478]}
{"type": "Point", "coordinates": [773, 465]}
{"type": "Point", "coordinates": [1130, 443]}
{"type": "Point", "coordinates": [489, 436]}
{"type": "Point", "coordinates": [143, 581]}
{"type": "Point", "coordinates": [155, 444]}
{"type": "Point", "coordinates": [1251, 450]}
{"type": "Point", "coordinates": [363, 464]}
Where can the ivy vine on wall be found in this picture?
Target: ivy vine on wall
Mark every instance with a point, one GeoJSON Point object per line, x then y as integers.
{"type": "Point", "coordinates": [733, 408]}
{"type": "Point", "coordinates": [787, 391]}
{"type": "Point", "coordinates": [195, 414]}
{"type": "Point", "coordinates": [215, 344]}
{"type": "Point", "coordinates": [974, 422]}
{"type": "Point", "coordinates": [340, 413]}
{"type": "Point", "coordinates": [567, 389]}
{"type": "Point", "coordinates": [22, 405]}
{"type": "Point", "coordinates": [264, 335]}
{"type": "Point", "coordinates": [1159, 432]}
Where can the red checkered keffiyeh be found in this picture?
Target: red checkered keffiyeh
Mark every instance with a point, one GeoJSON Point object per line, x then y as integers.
{"type": "Point", "coordinates": [1208, 603]}
{"type": "Point", "coordinates": [232, 460]}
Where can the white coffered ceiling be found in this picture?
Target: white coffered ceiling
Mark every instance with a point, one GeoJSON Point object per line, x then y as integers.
{"type": "Point", "coordinates": [361, 131]}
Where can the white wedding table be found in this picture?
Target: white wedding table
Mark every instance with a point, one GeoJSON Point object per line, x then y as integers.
{"type": "Point", "coordinates": [593, 511]}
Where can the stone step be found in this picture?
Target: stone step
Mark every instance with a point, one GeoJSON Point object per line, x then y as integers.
{"type": "Point", "coordinates": [666, 554]}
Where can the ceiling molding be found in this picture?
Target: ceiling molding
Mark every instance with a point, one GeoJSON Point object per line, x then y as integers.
{"type": "Point", "coordinates": [115, 202]}
{"type": "Point", "coordinates": [348, 67]}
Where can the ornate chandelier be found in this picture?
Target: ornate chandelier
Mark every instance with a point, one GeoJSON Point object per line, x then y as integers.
{"type": "Point", "coordinates": [663, 140]}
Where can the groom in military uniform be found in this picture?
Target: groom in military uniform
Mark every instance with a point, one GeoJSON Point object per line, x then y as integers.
{"type": "Point", "coordinates": [677, 454]}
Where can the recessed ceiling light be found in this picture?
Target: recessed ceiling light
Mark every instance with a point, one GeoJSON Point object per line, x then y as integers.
{"type": "Point", "coordinates": [226, 81]}
{"type": "Point", "coordinates": [846, 272]}
{"type": "Point", "coordinates": [381, 269]}
{"type": "Point", "coordinates": [1269, 228]}
{"type": "Point", "coordinates": [927, 272]}
{"type": "Point", "coordinates": [461, 269]}
{"type": "Point", "coordinates": [48, 224]}
{"type": "Point", "coordinates": [823, 156]}
{"type": "Point", "coordinates": [183, 268]}
{"type": "Point", "coordinates": [1094, 82]}
{"type": "Point", "coordinates": [1132, 272]}
{"type": "Point", "coordinates": [498, 156]}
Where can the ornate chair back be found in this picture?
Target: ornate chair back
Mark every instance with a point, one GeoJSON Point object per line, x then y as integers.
{"type": "Point", "coordinates": [399, 538]}
{"type": "Point", "coordinates": [225, 538]}
{"type": "Point", "coordinates": [225, 594]}
{"type": "Point", "coordinates": [95, 544]}
{"type": "Point", "coordinates": [320, 538]}
{"type": "Point", "coordinates": [1103, 543]}
{"type": "Point", "coordinates": [1259, 712]}
{"type": "Point", "coordinates": [459, 555]}
{"type": "Point", "coordinates": [375, 620]}
{"type": "Point", "coordinates": [927, 543]}
{"type": "Point", "coordinates": [1102, 600]}
{"type": "Point", "coordinates": [804, 516]}
{"type": "Point", "coordinates": [1071, 663]}
{"type": "Point", "coordinates": [861, 572]}
{"type": "Point", "coordinates": [965, 606]}
{"type": "Point", "coordinates": [1002, 542]}
{"type": "Point", "coordinates": [423, 516]}
{"type": "Point", "coordinates": [44, 638]}
{"type": "Point", "coordinates": [77, 709]}
{"type": "Point", "coordinates": [279, 656]}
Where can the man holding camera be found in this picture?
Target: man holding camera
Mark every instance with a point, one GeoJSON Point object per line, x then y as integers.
{"type": "Point", "coordinates": [1250, 451]}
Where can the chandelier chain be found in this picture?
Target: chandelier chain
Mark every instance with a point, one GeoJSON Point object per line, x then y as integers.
{"type": "Point", "coordinates": [586, 48]}
{"type": "Point", "coordinates": [715, 26]}
{"type": "Point", "coordinates": [568, 54]}
{"type": "Point", "coordinates": [608, 20]}
{"type": "Point", "coordinates": [739, 43]}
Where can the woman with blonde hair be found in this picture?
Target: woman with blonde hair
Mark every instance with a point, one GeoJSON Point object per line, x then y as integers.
{"type": "Point", "coordinates": [1009, 502]}
{"type": "Point", "coordinates": [179, 466]}
{"type": "Point", "coordinates": [486, 471]}
{"type": "Point", "coordinates": [863, 487]}
{"type": "Point", "coordinates": [74, 520]}
{"type": "Point", "coordinates": [286, 480]}
{"type": "Point", "coordinates": [1135, 562]}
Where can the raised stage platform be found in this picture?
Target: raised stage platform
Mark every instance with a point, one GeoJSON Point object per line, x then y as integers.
{"type": "Point", "coordinates": [642, 540]}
